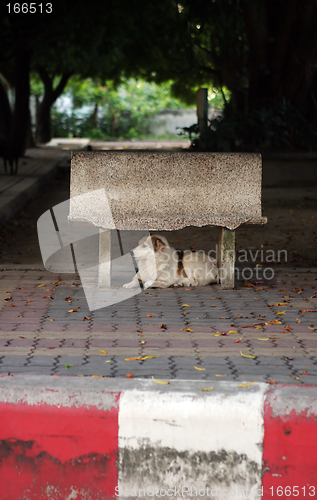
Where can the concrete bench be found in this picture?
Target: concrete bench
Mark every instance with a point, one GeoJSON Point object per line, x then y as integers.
{"type": "Point", "coordinates": [165, 191]}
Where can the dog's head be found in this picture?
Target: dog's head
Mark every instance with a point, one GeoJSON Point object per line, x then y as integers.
{"type": "Point", "coordinates": [150, 246]}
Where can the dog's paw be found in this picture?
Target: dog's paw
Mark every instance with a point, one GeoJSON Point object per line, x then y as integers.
{"type": "Point", "coordinates": [132, 284]}
{"type": "Point", "coordinates": [148, 284]}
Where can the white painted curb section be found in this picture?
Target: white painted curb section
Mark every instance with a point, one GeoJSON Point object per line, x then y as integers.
{"type": "Point", "coordinates": [192, 440]}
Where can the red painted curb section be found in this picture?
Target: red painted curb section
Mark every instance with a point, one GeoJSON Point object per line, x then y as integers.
{"type": "Point", "coordinates": [57, 452]}
{"type": "Point", "coordinates": [290, 443]}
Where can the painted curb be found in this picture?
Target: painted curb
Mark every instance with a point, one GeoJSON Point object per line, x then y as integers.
{"type": "Point", "coordinates": [94, 438]}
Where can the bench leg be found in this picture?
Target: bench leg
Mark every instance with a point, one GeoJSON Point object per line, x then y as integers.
{"type": "Point", "coordinates": [226, 258]}
{"type": "Point", "coordinates": [104, 272]}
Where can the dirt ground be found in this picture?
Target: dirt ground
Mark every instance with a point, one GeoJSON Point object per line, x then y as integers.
{"type": "Point", "coordinates": [290, 236]}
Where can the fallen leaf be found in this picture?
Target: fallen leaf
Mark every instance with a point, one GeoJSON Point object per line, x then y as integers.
{"type": "Point", "coordinates": [57, 282]}
{"type": "Point", "coordinates": [187, 329]}
{"type": "Point", "coordinates": [68, 365]}
{"type": "Point", "coordinates": [73, 311]}
{"type": "Point", "coordinates": [39, 286]}
{"type": "Point", "coordinates": [298, 320]}
{"type": "Point", "coordinates": [142, 358]}
{"type": "Point", "coordinates": [271, 381]}
{"type": "Point", "coordinates": [46, 297]}
{"type": "Point", "coordinates": [304, 372]}
{"type": "Point", "coordinates": [21, 288]}
{"type": "Point", "coordinates": [86, 319]}
{"type": "Point", "coordinates": [274, 322]}
{"type": "Point", "coordinates": [103, 352]}
{"type": "Point", "coordinates": [164, 327]}
{"type": "Point", "coordinates": [108, 361]}
{"type": "Point", "coordinates": [209, 389]}
{"type": "Point", "coordinates": [150, 316]}
{"type": "Point", "coordinates": [12, 305]}
{"type": "Point", "coordinates": [248, 285]}
{"type": "Point", "coordinates": [185, 305]}
{"type": "Point", "coordinates": [8, 298]}
{"type": "Point", "coordinates": [237, 341]}
{"type": "Point", "coordinates": [143, 341]}
{"type": "Point", "coordinates": [96, 376]}
{"type": "Point", "coordinates": [161, 382]}
{"type": "Point", "coordinates": [306, 310]}
{"type": "Point", "coordinates": [264, 339]}
{"type": "Point", "coordinates": [50, 320]}
{"type": "Point", "coordinates": [288, 328]}
{"type": "Point", "coordinates": [129, 375]}
{"type": "Point", "coordinates": [247, 356]}
{"type": "Point", "coordinates": [247, 384]}
{"type": "Point", "coordinates": [218, 375]}
{"type": "Point", "coordinates": [232, 331]}
{"type": "Point", "coordinates": [20, 337]}
{"type": "Point", "coordinates": [279, 313]}
{"type": "Point", "coordinates": [200, 369]}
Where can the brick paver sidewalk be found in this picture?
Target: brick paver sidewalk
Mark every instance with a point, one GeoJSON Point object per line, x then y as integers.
{"type": "Point", "coordinates": [199, 333]}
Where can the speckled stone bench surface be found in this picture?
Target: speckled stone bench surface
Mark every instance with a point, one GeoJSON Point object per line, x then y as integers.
{"type": "Point", "coordinates": [166, 190]}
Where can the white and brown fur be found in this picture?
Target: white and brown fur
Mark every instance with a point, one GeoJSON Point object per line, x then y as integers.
{"type": "Point", "coordinates": [162, 266]}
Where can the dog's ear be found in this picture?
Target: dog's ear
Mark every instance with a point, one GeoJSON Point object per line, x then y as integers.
{"type": "Point", "coordinates": [158, 244]}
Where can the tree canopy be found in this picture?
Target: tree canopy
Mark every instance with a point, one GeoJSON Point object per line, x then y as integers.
{"type": "Point", "coordinates": [263, 51]}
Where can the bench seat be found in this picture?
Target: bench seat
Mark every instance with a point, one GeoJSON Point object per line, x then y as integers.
{"type": "Point", "coordinates": [165, 191]}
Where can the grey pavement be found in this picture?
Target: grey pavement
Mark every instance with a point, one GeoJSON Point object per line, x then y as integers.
{"type": "Point", "coordinates": [264, 330]}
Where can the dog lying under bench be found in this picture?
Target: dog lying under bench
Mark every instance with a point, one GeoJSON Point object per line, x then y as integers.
{"type": "Point", "coordinates": [162, 266]}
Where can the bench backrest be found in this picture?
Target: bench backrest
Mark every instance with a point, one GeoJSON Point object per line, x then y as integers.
{"type": "Point", "coordinates": [166, 190]}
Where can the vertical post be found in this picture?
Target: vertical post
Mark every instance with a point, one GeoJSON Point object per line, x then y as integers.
{"type": "Point", "coordinates": [202, 114]}
{"type": "Point", "coordinates": [226, 258]}
{"type": "Point", "coordinates": [104, 272]}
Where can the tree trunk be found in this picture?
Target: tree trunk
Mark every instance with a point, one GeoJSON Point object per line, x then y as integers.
{"type": "Point", "coordinates": [43, 129]}
{"type": "Point", "coordinates": [30, 142]}
{"type": "Point", "coordinates": [21, 115]}
{"type": "Point", "coordinates": [5, 120]}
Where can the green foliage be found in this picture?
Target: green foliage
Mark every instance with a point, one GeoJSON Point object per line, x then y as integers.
{"type": "Point", "coordinates": [125, 111]}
